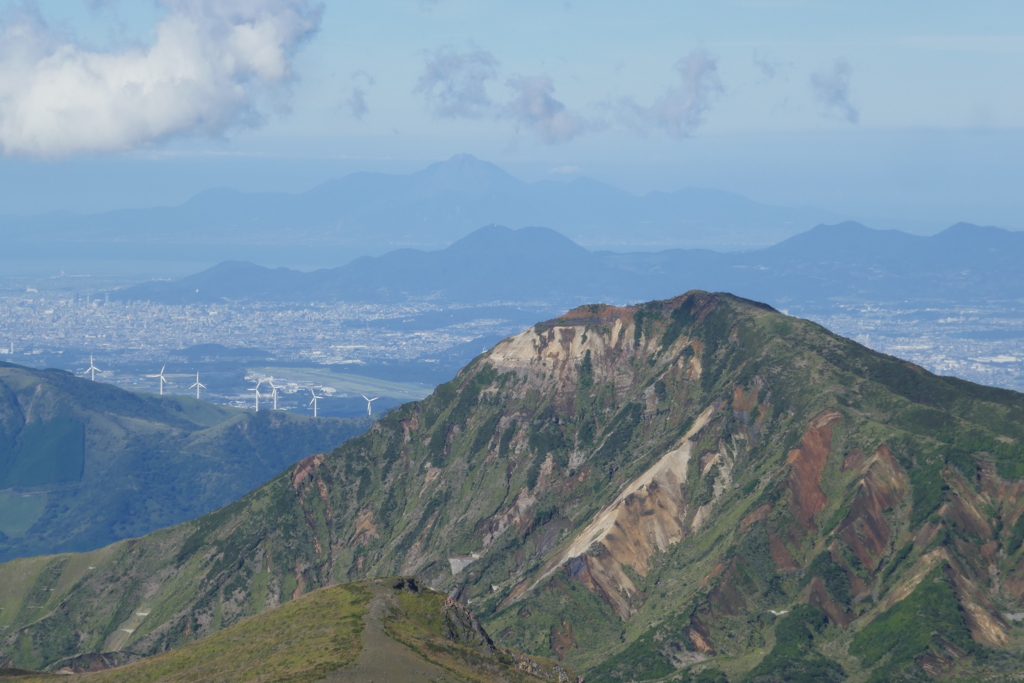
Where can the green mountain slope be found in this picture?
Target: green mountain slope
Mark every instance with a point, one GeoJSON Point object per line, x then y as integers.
{"type": "Point", "coordinates": [84, 464]}
{"type": "Point", "coordinates": [683, 490]}
{"type": "Point", "coordinates": [391, 630]}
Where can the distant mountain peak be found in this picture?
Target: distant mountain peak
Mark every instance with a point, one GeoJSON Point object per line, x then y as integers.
{"type": "Point", "coordinates": [532, 239]}
{"type": "Point", "coordinates": [970, 231]}
{"type": "Point", "coordinates": [464, 173]}
{"type": "Point", "coordinates": [464, 157]}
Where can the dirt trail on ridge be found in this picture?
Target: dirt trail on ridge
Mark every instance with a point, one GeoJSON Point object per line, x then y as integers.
{"type": "Point", "coordinates": [384, 660]}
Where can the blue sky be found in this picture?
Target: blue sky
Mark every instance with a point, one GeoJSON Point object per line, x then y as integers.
{"type": "Point", "coordinates": [908, 111]}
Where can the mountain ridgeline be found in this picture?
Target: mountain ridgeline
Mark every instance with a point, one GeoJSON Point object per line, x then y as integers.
{"type": "Point", "coordinates": [369, 213]}
{"type": "Point", "coordinates": [691, 489]}
{"type": "Point", "coordinates": [495, 264]}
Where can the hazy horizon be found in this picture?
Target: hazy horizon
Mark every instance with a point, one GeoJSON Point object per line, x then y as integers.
{"type": "Point", "coordinates": [900, 117]}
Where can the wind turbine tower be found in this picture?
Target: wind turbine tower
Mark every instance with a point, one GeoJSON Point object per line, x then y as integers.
{"type": "Point", "coordinates": [92, 369]}
{"type": "Point", "coordinates": [257, 390]}
{"type": "Point", "coordinates": [274, 392]}
{"type": "Point", "coordinates": [313, 402]}
{"type": "Point", "coordinates": [369, 404]}
{"type": "Point", "coordinates": [163, 380]}
{"type": "Point", "coordinates": [197, 386]}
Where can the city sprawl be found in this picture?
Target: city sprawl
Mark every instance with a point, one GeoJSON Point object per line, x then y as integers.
{"type": "Point", "coordinates": [141, 331]}
{"type": "Point", "coordinates": [980, 342]}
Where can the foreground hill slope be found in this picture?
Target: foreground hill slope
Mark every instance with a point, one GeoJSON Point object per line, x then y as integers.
{"type": "Point", "coordinates": [700, 483]}
{"type": "Point", "coordinates": [84, 464]}
{"type": "Point", "coordinates": [386, 629]}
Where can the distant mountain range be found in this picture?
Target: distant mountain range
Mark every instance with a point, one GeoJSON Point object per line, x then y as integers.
{"type": "Point", "coordinates": [84, 464]}
{"type": "Point", "coordinates": [499, 265]}
{"type": "Point", "coordinates": [370, 213]}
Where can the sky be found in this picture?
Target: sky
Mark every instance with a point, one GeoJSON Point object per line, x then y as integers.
{"type": "Point", "coordinates": [905, 114]}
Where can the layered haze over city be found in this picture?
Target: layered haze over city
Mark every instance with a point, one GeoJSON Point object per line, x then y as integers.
{"type": "Point", "coordinates": [347, 201]}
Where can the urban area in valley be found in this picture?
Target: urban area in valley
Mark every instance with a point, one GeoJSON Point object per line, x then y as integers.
{"type": "Point", "coordinates": [399, 352]}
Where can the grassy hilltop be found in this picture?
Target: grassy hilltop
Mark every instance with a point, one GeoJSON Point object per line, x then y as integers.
{"type": "Point", "coordinates": [693, 489]}
{"type": "Point", "coordinates": [386, 629]}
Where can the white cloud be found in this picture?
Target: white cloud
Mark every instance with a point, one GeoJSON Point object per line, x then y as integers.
{"type": "Point", "coordinates": [204, 72]}
{"type": "Point", "coordinates": [565, 170]}
{"type": "Point", "coordinates": [681, 109]}
{"type": "Point", "coordinates": [454, 84]}
{"type": "Point", "coordinates": [534, 108]}
{"type": "Point", "coordinates": [832, 88]}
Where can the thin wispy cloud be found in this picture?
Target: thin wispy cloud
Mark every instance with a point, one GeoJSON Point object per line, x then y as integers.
{"type": "Point", "coordinates": [534, 108]}
{"type": "Point", "coordinates": [832, 89]}
{"type": "Point", "coordinates": [458, 84]}
{"type": "Point", "coordinates": [454, 84]}
{"type": "Point", "coordinates": [206, 71]}
{"type": "Point", "coordinates": [769, 68]}
{"type": "Point", "coordinates": [682, 108]}
{"type": "Point", "coordinates": [355, 103]}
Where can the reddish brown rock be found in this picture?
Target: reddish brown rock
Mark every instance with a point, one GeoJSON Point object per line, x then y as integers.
{"type": "Point", "coordinates": [808, 460]}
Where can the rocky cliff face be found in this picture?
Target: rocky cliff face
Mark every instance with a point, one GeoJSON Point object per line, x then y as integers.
{"type": "Point", "coordinates": [700, 484]}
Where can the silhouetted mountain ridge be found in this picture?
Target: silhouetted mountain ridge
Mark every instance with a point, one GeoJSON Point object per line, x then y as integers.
{"type": "Point", "coordinates": [494, 263]}
{"type": "Point", "coordinates": [371, 212]}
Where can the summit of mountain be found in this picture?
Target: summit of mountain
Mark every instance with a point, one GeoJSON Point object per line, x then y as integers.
{"type": "Point", "coordinates": [844, 240]}
{"type": "Point", "coordinates": [698, 485]}
{"type": "Point", "coordinates": [523, 242]}
{"type": "Point", "coordinates": [465, 174]}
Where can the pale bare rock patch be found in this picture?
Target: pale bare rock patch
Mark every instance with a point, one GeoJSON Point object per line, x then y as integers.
{"type": "Point", "coordinates": [646, 517]}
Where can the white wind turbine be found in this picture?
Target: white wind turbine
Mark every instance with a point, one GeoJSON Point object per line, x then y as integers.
{"type": "Point", "coordinates": [369, 404]}
{"type": "Point", "coordinates": [274, 392]}
{"type": "Point", "coordinates": [257, 390]}
{"type": "Point", "coordinates": [313, 402]}
{"type": "Point", "coordinates": [197, 386]}
{"type": "Point", "coordinates": [163, 380]}
{"type": "Point", "coordinates": [92, 369]}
